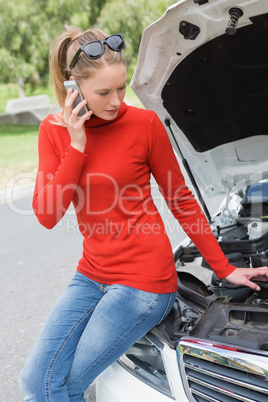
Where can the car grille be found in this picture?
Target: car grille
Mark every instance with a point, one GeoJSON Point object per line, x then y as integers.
{"type": "Point", "coordinates": [220, 373]}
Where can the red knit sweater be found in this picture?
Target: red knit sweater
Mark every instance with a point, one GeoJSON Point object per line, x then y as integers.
{"type": "Point", "coordinates": [124, 237]}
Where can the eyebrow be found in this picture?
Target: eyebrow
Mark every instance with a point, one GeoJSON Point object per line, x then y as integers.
{"type": "Point", "coordinates": [108, 89]}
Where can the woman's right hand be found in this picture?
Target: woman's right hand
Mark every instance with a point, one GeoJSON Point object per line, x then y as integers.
{"type": "Point", "coordinates": [75, 125]}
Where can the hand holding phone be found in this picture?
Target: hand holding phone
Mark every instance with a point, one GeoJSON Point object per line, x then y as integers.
{"type": "Point", "coordinates": [74, 86]}
{"type": "Point", "coordinates": [76, 128]}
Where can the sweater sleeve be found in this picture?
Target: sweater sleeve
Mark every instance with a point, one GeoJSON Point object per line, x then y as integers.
{"type": "Point", "coordinates": [56, 180]}
{"type": "Point", "coordinates": [180, 200]}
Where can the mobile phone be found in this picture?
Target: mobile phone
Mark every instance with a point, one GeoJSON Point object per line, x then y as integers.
{"type": "Point", "coordinates": [72, 84]}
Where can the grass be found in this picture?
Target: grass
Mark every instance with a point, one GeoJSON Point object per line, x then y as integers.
{"type": "Point", "coordinates": [9, 91]}
{"type": "Point", "coordinates": [19, 157]}
{"type": "Point", "coordinates": [18, 144]}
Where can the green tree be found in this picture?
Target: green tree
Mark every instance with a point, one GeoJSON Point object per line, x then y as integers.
{"type": "Point", "coordinates": [27, 28]}
{"type": "Point", "coordinates": [13, 63]}
{"type": "Point", "coordinates": [131, 17]}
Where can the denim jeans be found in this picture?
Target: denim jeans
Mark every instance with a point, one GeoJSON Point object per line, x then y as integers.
{"type": "Point", "coordinates": [89, 328]}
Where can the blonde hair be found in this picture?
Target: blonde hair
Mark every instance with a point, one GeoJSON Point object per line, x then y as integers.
{"type": "Point", "coordinates": [63, 50]}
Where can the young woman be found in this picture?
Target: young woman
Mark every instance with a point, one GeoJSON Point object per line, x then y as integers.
{"type": "Point", "coordinates": [126, 280]}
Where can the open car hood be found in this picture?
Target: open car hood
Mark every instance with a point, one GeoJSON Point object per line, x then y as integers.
{"type": "Point", "coordinates": [210, 88]}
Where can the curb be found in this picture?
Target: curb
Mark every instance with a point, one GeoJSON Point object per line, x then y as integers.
{"type": "Point", "coordinates": [15, 193]}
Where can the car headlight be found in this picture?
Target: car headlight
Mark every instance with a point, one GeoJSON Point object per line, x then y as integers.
{"type": "Point", "coordinates": [144, 361]}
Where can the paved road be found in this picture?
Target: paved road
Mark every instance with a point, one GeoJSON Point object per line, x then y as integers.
{"type": "Point", "coordinates": [36, 265]}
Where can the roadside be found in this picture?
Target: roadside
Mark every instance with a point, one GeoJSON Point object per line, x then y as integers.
{"type": "Point", "coordinates": [19, 155]}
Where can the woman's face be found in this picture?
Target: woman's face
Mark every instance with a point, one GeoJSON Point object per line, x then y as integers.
{"type": "Point", "coordinates": [104, 90]}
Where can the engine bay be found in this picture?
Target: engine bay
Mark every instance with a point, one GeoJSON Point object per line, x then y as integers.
{"type": "Point", "coordinates": [217, 311]}
{"type": "Point", "coordinates": [213, 309]}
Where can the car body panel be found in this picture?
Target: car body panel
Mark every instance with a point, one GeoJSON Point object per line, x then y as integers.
{"type": "Point", "coordinates": [116, 384]}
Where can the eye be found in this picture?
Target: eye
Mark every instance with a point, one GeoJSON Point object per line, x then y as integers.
{"type": "Point", "coordinates": [103, 93]}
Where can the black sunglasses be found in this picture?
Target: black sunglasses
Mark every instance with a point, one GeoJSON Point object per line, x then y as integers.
{"type": "Point", "coordinates": [94, 50]}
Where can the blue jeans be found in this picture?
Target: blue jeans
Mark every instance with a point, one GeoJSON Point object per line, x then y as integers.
{"type": "Point", "coordinates": [88, 329]}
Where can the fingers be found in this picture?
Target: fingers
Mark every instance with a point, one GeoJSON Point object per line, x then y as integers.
{"type": "Point", "coordinates": [258, 279]}
{"type": "Point", "coordinates": [245, 276]}
{"type": "Point", "coordinates": [252, 285]}
{"type": "Point", "coordinates": [71, 95]}
{"type": "Point", "coordinates": [260, 275]}
{"type": "Point", "coordinates": [78, 108]}
{"type": "Point", "coordinates": [261, 271]}
{"type": "Point", "coordinates": [68, 106]}
{"type": "Point", "coordinates": [71, 113]}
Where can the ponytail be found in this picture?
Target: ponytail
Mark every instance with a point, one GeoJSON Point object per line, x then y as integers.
{"type": "Point", "coordinates": [59, 70]}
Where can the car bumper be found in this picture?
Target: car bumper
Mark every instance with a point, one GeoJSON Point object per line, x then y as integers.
{"type": "Point", "coordinates": [117, 384]}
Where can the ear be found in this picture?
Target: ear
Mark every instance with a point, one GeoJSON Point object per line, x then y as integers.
{"type": "Point", "coordinates": [71, 78]}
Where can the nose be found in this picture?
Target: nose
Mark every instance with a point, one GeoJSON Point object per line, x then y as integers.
{"type": "Point", "coordinates": [115, 99]}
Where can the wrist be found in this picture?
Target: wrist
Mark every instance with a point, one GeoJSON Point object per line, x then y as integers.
{"type": "Point", "coordinates": [80, 147]}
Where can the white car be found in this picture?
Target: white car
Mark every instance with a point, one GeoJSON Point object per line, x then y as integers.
{"type": "Point", "coordinates": [203, 68]}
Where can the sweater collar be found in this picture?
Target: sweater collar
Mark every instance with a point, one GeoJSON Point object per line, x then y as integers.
{"type": "Point", "coordinates": [95, 121]}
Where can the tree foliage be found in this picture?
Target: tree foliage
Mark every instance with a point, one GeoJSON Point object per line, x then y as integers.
{"type": "Point", "coordinates": [28, 27]}
{"type": "Point", "coordinates": [131, 17]}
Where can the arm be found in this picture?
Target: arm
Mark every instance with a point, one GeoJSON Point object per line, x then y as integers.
{"type": "Point", "coordinates": [187, 211]}
{"type": "Point", "coordinates": [57, 180]}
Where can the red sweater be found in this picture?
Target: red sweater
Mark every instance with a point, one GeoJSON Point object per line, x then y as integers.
{"type": "Point", "coordinates": [124, 237]}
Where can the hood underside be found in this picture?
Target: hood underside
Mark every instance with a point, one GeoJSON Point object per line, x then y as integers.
{"type": "Point", "coordinates": [210, 89]}
{"type": "Point", "coordinates": [226, 97]}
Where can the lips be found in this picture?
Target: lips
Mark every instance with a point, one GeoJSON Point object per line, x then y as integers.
{"type": "Point", "coordinates": [112, 111]}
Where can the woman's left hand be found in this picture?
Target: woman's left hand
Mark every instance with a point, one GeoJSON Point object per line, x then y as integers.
{"type": "Point", "coordinates": [242, 276]}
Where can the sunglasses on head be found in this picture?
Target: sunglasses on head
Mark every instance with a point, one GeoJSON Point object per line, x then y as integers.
{"type": "Point", "coordinates": [95, 49]}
